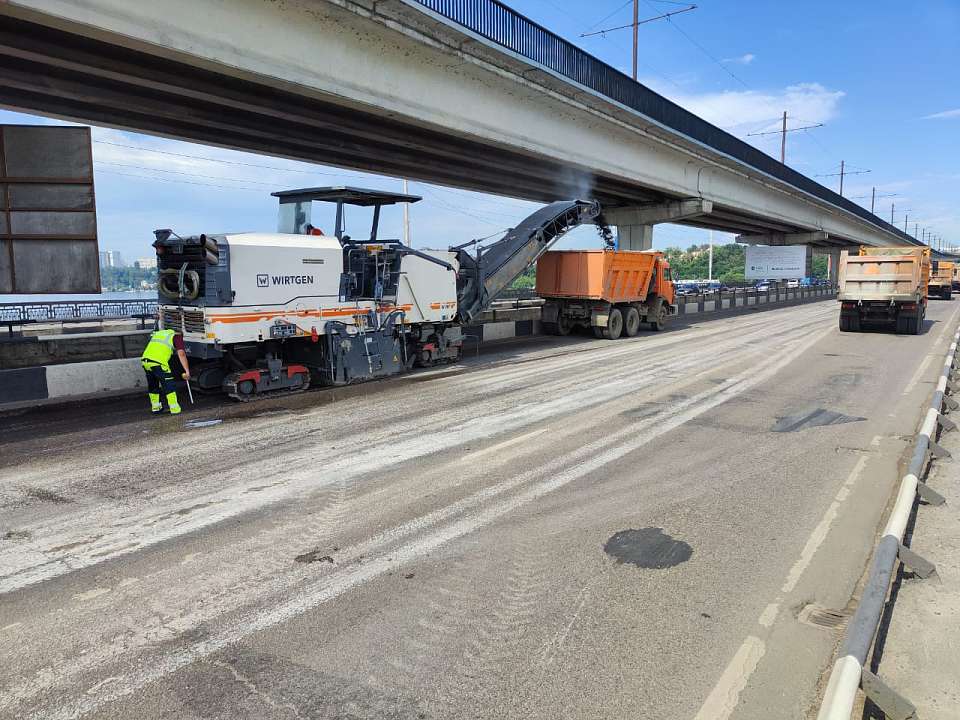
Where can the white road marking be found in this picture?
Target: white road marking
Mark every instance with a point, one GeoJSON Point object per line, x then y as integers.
{"type": "Point", "coordinates": [723, 699]}
{"type": "Point", "coordinates": [769, 614]}
{"type": "Point", "coordinates": [819, 533]}
{"type": "Point", "coordinates": [128, 581]}
{"type": "Point", "coordinates": [11, 626]}
{"type": "Point", "coordinates": [331, 586]}
{"type": "Point", "coordinates": [918, 374]}
{"type": "Point", "coordinates": [91, 594]}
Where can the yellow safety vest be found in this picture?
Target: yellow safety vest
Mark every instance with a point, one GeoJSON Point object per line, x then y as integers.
{"type": "Point", "coordinates": [160, 348]}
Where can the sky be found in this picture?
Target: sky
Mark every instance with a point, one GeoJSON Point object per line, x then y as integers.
{"type": "Point", "coordinates": [879, 75]}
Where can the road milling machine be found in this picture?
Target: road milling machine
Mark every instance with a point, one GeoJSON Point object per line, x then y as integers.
{"type": "Point", "coordinates": [265, 313]}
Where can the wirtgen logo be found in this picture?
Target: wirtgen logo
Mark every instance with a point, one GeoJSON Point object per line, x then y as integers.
{"type": "Point", "coordinates": [263, 281]}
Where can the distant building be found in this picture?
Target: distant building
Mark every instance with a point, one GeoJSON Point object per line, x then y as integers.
{"type": "Point", "coordinates": [110, 258]}
{"type": "Point", "coordinates": [104, 259]}
{"type": "Point", "coordinates": [145, 263]}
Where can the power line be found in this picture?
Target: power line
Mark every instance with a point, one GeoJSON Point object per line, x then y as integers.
{"type": "Point", "coordinates": [664, 16]}
{"type": "Point", "coordinates": [218, 160]}
{"type": "Point", "coordinates": [188, 174]}
{"type": "Point", "coordinates": [608, 16]}
{"type": "Point", "coordinates": [182, 182]}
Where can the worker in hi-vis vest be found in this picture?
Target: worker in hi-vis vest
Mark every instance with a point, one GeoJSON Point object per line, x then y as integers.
{"type": "Point", "coordinates": [156, 364]}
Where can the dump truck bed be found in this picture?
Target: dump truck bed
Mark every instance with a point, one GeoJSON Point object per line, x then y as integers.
{"type": "Point", "coordinates": [887, 274]}
{"type": "Point", "coordinates": [610, 275]}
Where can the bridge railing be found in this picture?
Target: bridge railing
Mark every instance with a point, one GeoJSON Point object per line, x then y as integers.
{"type": "Point", "coordinates": [74, 310]}
{"type": "Point", "coordinates": [509, 29]}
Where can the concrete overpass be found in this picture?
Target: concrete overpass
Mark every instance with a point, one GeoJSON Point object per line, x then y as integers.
{"type": "Point", "coordinates": [465, 94]}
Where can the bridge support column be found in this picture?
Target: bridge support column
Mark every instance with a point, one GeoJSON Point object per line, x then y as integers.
{"type": "Point", "coordinates": [635, 224]}
{"type": "Point", "coordinates": [634, 237]}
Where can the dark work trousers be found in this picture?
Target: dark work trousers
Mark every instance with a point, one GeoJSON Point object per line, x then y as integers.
{"type": "Point", "coordinates": [158, 379]}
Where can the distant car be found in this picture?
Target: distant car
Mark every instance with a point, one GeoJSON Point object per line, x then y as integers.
{"type": "Point", "coordinates": [791, 284]}
{"type": "Point", "coordinates": [762, 285]}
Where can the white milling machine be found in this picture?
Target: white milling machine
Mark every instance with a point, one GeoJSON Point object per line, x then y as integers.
{"type": "Point", "coordinates": [272, 312]}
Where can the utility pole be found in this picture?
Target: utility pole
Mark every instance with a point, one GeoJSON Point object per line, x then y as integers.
{"type": "Point", "coordinates": [637, 22]}
{"type": "Point", "coordinates": [783, 140]}
{"type": "Point", "coordinates": [782, 132]}
{"type": "Point", "coordinates": [916, 226]}
{"type": "Point", "coordinates": [406, 217]}
{"type": "Point", "coordinates": [873, 199]}
{"type": "Point", "coordinates": [843, 173]}
{"type": "Point", "coordinates": [905, 217]}
{"type": "Point", "coordinates": [891, 213]}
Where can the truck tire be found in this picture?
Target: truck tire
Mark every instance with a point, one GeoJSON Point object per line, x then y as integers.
{"type": "Point", "coordinates": [659, 316]}
{"type": "Point", "coordinates": [917, 325]}
{"type": "Point", "coordinates": [614, 324]}
{"type": "Point", "coordinates": [631, 322]}
{"type": "Point", "coordinates": [948, 294]}
{"type": "Point", "coordinates": [844, 323]}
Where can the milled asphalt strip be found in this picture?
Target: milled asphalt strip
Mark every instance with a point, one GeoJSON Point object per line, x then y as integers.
{"type": "Point", "coordinates": [335, 585]}
{"type": "Point", "coordinates": [725, 695]}
{"type": "Point", "coordinates": [27, 564]}
{"type": "Point", "coordinates": [283, 587]}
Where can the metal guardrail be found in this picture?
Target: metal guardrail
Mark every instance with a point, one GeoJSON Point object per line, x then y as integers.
{"type": "Point", "coordinates": [848, 672]}
{"type": "Point", "coordinates": [509, 29]}
{"type": "Point", "coordinates": [74, 310]}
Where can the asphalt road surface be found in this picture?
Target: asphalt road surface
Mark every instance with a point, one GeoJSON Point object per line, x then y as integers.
{"type": "Point", "coordinates": [564, 528]}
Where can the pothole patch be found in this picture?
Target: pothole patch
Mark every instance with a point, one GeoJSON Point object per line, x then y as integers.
{"type": "Point", "coordinates": [814, 418]}
{"type": "Point", "coordinates": [649, 548]}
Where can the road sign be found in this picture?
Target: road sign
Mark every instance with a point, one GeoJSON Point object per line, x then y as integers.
{"type": "Point", "coordinates": [776, 262]}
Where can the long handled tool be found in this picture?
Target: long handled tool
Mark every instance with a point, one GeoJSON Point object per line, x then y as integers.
{"type": "Point", "coordinates": [183, 325]}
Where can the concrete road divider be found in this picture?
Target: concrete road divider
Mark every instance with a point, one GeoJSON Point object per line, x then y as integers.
{"type": "Point", "coordinates": [849, 674]}
{"type": "Point", "coordinates": [25, 387]}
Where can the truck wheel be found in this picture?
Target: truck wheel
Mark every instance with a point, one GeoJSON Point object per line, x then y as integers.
{"type": "Point", "coordinates": [631, 322]}
{"type": "Point", "coordinates": [917, 326]}
{"type": "Point", "coordinates": [614, 324]}
{"type": "Point", "coordinates": [947, 294]}
{"type": "Point", "coordinates": [844, 323]}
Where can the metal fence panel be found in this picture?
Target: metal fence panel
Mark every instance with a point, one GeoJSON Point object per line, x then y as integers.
{"type": "Point", "coordinates": [48, 224]}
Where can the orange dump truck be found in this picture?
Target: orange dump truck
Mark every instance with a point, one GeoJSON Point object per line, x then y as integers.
{"type": "Point", "coordinates": [884, 285]}
{"type": "Point", "coordinates": [941, 279]}
{"type": "Point", "coordinates": [610, 291]}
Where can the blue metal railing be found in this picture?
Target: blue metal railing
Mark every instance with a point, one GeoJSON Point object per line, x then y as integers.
{"type": "Point", "coordinates": [75, 310]}
{"type": "Point", "coordinates": [505, 27]}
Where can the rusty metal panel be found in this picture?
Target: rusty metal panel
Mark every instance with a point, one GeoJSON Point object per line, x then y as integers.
{"type": "Point", "coordinates": [6, 276]}
{"type": "Point", "coordinates": [48, 222]}
{"type": "Point", "coordinates": [65, 197]}
{"type": "Point", "coordinates": [65, 265]}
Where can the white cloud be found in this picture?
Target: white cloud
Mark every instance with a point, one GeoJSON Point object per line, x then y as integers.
{"type": "Point", "coordinates": [751, 109]}
{"type": "Point", "coordinates": [944, 115]}
{"type": "Point", "coordinates": [745, 59]}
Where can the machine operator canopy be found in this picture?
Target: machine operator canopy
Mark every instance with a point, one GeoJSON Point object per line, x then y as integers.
{"type": "Point", "coordinates": [296, 205]}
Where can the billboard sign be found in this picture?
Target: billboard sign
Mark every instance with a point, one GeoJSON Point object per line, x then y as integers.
{"type": "Point", "coordinates": [48, 218]}
{"type": "Point", "coordinates": [776, 262]}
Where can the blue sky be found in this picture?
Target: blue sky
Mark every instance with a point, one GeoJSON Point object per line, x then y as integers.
{"type": "Point", "coordinates": [880, 76]}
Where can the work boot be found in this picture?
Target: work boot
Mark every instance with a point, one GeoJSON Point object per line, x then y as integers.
{"type": "Point", "coordinates": [155, 405]}
{"type": "Point", "coordinates": [173, 403]}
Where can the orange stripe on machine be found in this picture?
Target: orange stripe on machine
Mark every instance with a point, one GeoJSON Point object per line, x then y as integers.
{"type": "Point", "coordinates": [321, 312]}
